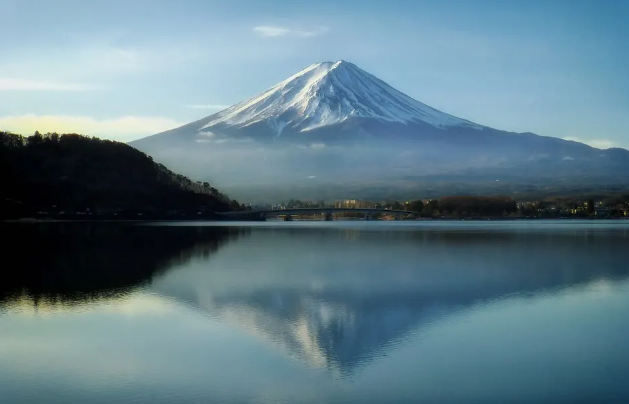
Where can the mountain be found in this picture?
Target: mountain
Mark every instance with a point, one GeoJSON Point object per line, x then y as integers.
{"type": "Point", "coordinates": [336, 128]}
{"type": "Point", "coordinates": [327, 94]}
{"type": "Point", "coordinates": [53, 173]}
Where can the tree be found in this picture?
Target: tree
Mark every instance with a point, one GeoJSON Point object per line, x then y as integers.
{"type": "Point", "coordinates": [234, 205]}
{"type": "Point", "coordinates": [590, 206]}
{"type": "Point", "coordinates": [36, 139]}
{"type": "Point", "coordinates": [431, 208]}
{"type": "Point", "coordinates": [415, 206]}
{"type": "Point", "coordinates": [459, 206]}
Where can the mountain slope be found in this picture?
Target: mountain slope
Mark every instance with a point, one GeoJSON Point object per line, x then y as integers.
{"type": "Point", "coordinates": [73, 172]}
{"type": "Point", "coordinates": [340, 125]}
{"type": "Point", "coordinates": [329, 93]}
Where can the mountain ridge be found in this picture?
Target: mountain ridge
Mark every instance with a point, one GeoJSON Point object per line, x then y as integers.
{"type": "Point", "coordinates": [337, 123]}
{"type": "Point", "coordinates": [331, 92]}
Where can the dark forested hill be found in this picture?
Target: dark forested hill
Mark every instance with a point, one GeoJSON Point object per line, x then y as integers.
{"type": "Point", "coordinates": [72, 173]}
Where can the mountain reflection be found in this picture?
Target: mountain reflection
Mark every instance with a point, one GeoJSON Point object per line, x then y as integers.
{"type": "Point", "coordinates": [337, 298]}
{"type": "Point", "coordinates": [330, 297]}
{"type": "Point", "coordinates": [74, 263]}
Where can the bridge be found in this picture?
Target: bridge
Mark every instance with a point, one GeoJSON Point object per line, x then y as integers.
{"type": "Point", "coordinates": [262, 214]}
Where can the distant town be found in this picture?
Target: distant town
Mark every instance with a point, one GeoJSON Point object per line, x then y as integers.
{"type": "Point", "coordinates": [453, 207]}
{"type": "Point", "coordinates": [477, 206]}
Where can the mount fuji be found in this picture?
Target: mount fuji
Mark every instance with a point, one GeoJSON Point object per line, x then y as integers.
{"type": "Point", "coordinates": [333, 130]}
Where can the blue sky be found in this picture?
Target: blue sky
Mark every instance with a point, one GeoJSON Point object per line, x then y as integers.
{"type": "Point", "coordinates": [127, 69]}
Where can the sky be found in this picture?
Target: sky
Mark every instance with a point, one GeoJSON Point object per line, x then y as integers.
{"type": "Point", "coordinates": [124, 69]}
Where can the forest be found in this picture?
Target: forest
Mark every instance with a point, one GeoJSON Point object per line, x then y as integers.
{"type": "Point", "coordinates": [606, 206]}
{"type": "Point", "coordinates": [70, 174]}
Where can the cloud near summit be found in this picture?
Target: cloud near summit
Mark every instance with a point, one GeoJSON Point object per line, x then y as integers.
{"type": "Point", "coordinates": [274, 31]}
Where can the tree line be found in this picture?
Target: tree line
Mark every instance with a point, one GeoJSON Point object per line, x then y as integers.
{"type": "Point", "coordinates": [496, 206]}
{"type": "Point", "coordinates": [71, 172]}
{"type": "Point", "coordinates": [489, 206]}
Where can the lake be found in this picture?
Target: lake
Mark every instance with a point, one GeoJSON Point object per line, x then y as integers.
{"type": "Point", "coordinates": [315, 312]}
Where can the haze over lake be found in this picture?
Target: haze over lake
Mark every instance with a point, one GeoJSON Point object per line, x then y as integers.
{"type": "Point", "coordinates": [313, 312]}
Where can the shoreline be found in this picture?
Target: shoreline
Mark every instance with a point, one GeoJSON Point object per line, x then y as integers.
{"type": "Point", "coordinates": [443, 219]}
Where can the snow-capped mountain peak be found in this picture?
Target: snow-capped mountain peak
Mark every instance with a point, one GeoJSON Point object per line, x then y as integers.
{"type": "Point", "coordinates": [333, 128]}
{"type": "Point", "coordinates": [329, 93]}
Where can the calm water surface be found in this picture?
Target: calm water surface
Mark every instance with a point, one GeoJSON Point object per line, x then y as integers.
{"type": "Point", "coordinates": [320, 312]}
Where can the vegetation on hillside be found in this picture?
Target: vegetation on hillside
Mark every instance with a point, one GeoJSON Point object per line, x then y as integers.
{"type": "Point", "coordinates": [72, 173]}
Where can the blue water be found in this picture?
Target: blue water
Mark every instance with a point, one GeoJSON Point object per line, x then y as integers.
{"type": "Point", "coordinates": [315, 312]}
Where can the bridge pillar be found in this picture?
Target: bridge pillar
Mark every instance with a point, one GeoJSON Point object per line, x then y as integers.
{"type": "Point", "coordinates": [396, 217]}
{"type": "Point", "coordinates": [288, 218]}
{"type": "Point", "coordinates": [367, 216]}
{"type": "Point", "coordinates": [329, 217]}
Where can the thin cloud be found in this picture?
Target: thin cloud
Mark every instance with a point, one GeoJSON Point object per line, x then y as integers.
{"type": "Point", "coordinates": [319, 30]}
{"type": "Point", "coordinates": [208, 106]}
{"type": "Point", "coordinates": [270, 31]}
{"type": "Point", "coordinates": [12, 84]}
{"type": "Point", "coordinates": [63, 67]}
{"type": "Point", "coordinates": [274, 31]}
{"type": "Point", "coordinates": [317, 146]}
{"type": "Point", "coordinates": [598, 143]}
{"type": "Point", "coordinates": [119, 60]}
{"type": "Point", "coordinates": [125, 129]}
{"type": "Point", "coordinates": [234, 140]}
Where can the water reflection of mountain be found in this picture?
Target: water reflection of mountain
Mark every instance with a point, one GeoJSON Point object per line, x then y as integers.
{"type": "Point", "coordinates": [336, 298]}
{"type": "Point", "coordinates": [75, 262]}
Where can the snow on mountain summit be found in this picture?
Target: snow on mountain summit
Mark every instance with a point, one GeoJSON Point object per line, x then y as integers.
{"type": "Point", "coordinates": [328, 93]}
{"type": "Point", "coordinates": [333, 128]}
